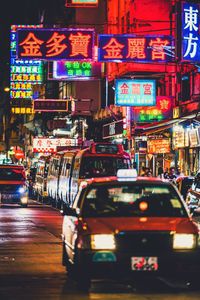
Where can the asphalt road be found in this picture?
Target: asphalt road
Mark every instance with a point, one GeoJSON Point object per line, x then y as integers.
{"type": "Point", "coordinates": [31, 269]}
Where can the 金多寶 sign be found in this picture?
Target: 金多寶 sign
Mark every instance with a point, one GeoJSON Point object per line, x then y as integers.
{"type": "Point", "coordinates": [55, 44]}
{"type": "Point", "coordinates": [135, 92]}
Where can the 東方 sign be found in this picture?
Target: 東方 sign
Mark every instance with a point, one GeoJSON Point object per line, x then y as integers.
{"type": "Point", "coordinates": [50, 105]}
{"type": "Point", "coordinates": [129, 47]}
{"type": "Point", "coordinates": [55, 44]}
{"type": "Point", "coordinates": [137, 92]}
{"type": "Point", "coordinates": [190, 32]}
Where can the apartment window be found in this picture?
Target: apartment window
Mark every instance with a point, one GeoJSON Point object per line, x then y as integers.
{"type": "Point", "coordinates": [185, 87]}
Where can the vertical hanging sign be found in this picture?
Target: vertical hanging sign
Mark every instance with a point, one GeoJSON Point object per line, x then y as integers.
{"type": "Point", "coordinates": [190, 32]}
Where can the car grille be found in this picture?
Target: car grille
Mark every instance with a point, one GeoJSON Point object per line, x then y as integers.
{"type": "Point", "coordinates": [143, 242]}
{"type": "Point", "coordinates": [9, 188]}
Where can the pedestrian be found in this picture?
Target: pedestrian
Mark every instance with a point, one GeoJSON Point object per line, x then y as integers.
{"type": "Point", "coordinates": [166, 173]}
{"type": "Point", "coordinates": [160, 173]}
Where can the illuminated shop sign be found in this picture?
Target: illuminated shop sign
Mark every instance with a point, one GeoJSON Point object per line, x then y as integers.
{"type": "Point", "coordinates": [50, 145]}
{"type": "Point", "coordinates": [162, 111]}
{"type": "Point", "coordinates": [22, 110]}
{"type": "Point", "coordinates": [158, 146]}
{"type": "Point", "coordinates": [50, 105]}
{"type": "Point", "coordinates": [128, 47]}
{"type": "Point", "coordinates": [178, 137]}
{"type": "Point", "coordinates": [81, 3]}
{"type": "Point", "coordinates": [136, 92]}
{"type": "Point", "coordinates": [76, 70]}
{"type": "Point", "coordinates": [23, 72]}
{"type": "Point", "coordinates": [190, 31]}
{"type": "Point", "coordinates": [55, 44]}
{"type": "Point", "coordinates": [193, 137]}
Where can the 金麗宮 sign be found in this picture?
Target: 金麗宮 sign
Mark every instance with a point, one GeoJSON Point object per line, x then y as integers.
{"type": "Point", "coordinates": [135, 92]}
{"type": "Point", "coordinates": [190, 32]}
{"type": "Point", "coordinates": [55, 44]}
{"type": "Point", "coordinates": [129, 47]}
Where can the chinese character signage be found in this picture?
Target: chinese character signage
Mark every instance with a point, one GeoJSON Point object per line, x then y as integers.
{"type": "Point", "coordinates": [81, 3]}
{"type": "Point", "coordinates": [190, 32]}
{"type": "Point", "coordinates": [178, 137]}
{"type": "Point", "coordinates": [55, 44]}
{"type": "Point", "coordinates": [50, 105]}
{"type": "Point", "coordinates": [128, 47]}
{"type": "Point", "coordinates": [137, 92]}
{"type": "Point", "coordinates": [76, 70]}
{"type": "Point", "coordinates": [51, 145]}
{"type": "Point", "coordinates": [158, 146]}
{"type": "Point", "coordinates": [23, 72]}
{"type": "Point", "coordinates": [162, 111]}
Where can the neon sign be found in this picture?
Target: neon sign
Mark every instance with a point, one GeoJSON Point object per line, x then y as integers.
{"type": "Point", "coordinates": [129, 47]}
{"type": "Point", "coordinates": [162, 111]}
{"type": "Point", "coordinates": [81, 3]}
{"type": "Point", "coordinates": [138, 92]}
{"type": "Point", "coordinates": [76, 70]}
{"type": "Point", "coordinates": [190, 32]}
{"type": "Point", "coordinates": [55, 44]}
{"type": "Point", "coordinates": [23, 72]}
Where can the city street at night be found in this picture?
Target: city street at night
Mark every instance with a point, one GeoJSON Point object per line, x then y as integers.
{"type": "Point", "coordinates": [30, 263]}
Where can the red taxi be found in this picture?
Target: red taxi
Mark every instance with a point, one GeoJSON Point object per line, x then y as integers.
{"type": "Point", "coordinates": [13, 185]}
{"type": "Point", "coordinates": [129, 226]}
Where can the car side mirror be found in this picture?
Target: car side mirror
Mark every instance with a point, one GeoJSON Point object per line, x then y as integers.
{"type": "Point", "coordinates": [69, 211]}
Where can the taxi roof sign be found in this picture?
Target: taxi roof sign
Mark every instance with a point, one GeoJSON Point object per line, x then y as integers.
{"type": "Point", "coordinates": [126, 173]}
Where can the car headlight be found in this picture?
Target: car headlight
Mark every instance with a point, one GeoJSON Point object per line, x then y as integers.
{"type": "Point", "coordinates": [103, 241]}
{"type": "Point", "coordinates": [22, 189]}
{"type": "Point", "coordinates": [184, 241]}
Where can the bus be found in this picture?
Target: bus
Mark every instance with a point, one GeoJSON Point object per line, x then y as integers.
{"type": "Point", "coordinates": [99, 160]}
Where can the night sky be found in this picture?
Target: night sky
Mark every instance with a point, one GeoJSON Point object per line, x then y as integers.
{"type": "Point", "coordinates": [14, 12]}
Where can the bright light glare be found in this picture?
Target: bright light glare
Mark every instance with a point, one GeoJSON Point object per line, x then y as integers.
{"type": "Point", "coordinates": [102, 241]}
{"type": "Point", "coordinates": [184, 241]}
{"type": "Point", "coordinates": [21, 190]}
{"type": "Point", "coordinates": [24, 200]}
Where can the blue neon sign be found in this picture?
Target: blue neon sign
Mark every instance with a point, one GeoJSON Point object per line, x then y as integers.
{"type": "Point", "coordinates": [136, 92]}
{"type": "Point", "coordinates": [190, 32]}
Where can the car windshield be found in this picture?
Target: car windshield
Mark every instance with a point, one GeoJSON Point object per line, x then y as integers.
{"type": "Point", "coordinates": [102, 166]}
{"type": "Point", "coordinates": [11, 174]}
{"type": "Point", "coordinates": [135, 200]}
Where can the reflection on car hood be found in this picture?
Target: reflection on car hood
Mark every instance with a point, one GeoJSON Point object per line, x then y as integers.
{"type": "Point", "coordinates": [112, 225]}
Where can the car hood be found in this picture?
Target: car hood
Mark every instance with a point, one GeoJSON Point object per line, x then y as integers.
{"type": "Point", "coordinates": [115, 225]}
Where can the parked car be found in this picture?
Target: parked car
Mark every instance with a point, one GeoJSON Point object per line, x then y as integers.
{"type": "Point", "coordinates": [128, 226]}
{"type": "Point", "coordinates": [13, 185]}
{"type": "Point", "coordinates": [184, 183]}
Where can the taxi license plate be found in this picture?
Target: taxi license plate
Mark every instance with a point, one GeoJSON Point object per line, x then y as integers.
{"type": "Point", "coordinates": [143, 263]}
{"type": "Point", "coordinates": [7, 196]}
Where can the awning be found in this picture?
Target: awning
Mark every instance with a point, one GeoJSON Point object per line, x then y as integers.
{"type": "Point", "coordinates": [161, 126]}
